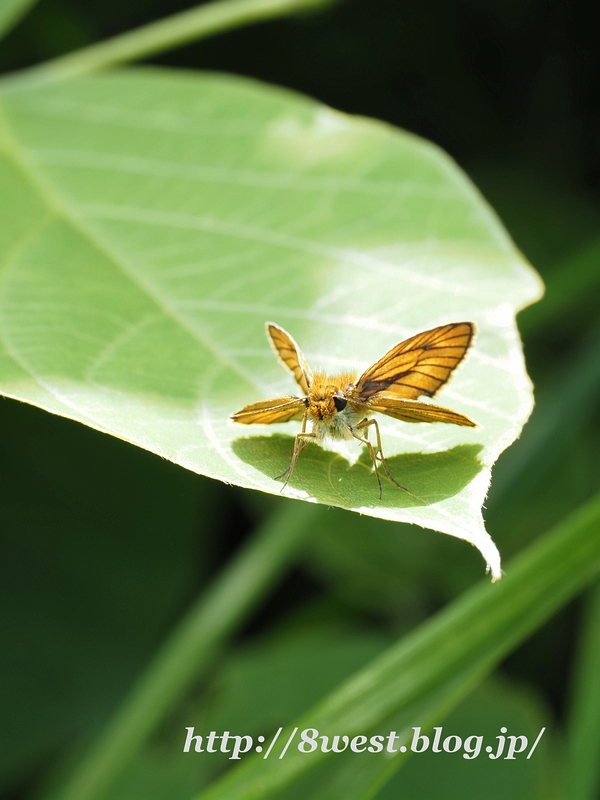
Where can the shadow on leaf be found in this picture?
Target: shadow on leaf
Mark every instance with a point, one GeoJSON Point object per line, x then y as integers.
{"type": "Point", "coordinates": [330, 478]}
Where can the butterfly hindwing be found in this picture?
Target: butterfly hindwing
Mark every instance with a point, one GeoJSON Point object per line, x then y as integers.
{"type": "Point", "coordinates": [417, 411]}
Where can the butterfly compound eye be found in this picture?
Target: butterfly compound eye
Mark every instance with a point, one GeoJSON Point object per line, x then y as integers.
{"type": "Point", "coordinates": [340, 403]}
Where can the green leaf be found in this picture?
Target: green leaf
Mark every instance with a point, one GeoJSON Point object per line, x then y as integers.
{"type": "Point", "coordinates": [11, 12]}
{"type": "Point", "coordinates": [152, 222]}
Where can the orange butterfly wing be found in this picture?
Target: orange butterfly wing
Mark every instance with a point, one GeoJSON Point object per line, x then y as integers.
{"type": "Point", "coordinates": [417, 411]}
{"type": "Point", "coordinates": [290, 355]}
{"type": "Point", "coordinates": [418, 366]}
{"type": "Point", "coordinates": [267, 412]}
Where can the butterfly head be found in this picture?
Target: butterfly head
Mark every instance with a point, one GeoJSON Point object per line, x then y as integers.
{"type": "Point", "coordinates": [328, 399]}
{"type": "Point", "coordinates": [322, 408]}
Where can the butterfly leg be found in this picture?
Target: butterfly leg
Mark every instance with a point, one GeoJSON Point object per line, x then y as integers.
{"type": "Point", "coordinates": [365, 424]}
{"type": "Point", "coordinates": [299, 445]}
{"type": "Point", "coordinates": [365, 440]}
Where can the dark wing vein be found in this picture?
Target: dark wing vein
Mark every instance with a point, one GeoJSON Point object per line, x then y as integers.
{"type": "Point", "coordinates": [420, 365]}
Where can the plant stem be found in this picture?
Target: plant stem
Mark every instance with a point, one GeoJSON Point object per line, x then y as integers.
{"type": "Point", "coordinates": [157, 37]}
{"type": "Point", "coordinates": [191, 646]}
{"type": "Point", "coordinates": [11, 13]}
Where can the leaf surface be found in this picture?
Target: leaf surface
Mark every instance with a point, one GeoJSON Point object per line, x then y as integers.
{"type": "Point", "coordinates": [152, 221]}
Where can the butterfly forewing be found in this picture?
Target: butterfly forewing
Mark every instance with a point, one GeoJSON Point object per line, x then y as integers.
{"type": "Point", "coordinates": [267, 412]}
{"type": "Point", "coordinates": [290, 355]}
{"type": "Point", "coordinates": [418, 366]}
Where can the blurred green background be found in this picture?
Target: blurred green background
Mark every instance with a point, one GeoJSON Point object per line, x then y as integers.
{"type": "Point", "coordinates": [104, 545]}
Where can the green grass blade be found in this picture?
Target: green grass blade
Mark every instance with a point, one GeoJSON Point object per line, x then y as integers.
{"type": "Point", "coordinates": [157, 37]}
{"type": "Point", "coordinates": [583, 767]}
{"type": "Point", "coordinates": [191, 646]}
{"type": "Point", "coordinates": [477, 630]}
